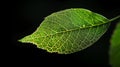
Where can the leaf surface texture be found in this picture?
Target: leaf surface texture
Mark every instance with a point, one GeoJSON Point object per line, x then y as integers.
{"type": "Point", "coordinates": [68, 31]}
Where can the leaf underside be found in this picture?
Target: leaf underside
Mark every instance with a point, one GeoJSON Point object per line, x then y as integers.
{"type": "Point", "coordinates": [68, 31]}
{"type": "Point", "coordinates": [115, 47]}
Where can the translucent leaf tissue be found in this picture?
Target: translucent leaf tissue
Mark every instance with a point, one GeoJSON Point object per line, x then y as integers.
{"type": "Point", "coordinates": [68, 31]}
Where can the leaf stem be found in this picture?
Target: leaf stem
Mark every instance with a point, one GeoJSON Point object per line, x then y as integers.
{"type": "Point", "coordinates": [114, 18]}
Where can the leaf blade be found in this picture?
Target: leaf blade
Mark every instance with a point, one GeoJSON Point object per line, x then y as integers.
{"type": "Point", "coordinates": [115, 47]}
{"type": "Point", "coordinates": [58, 31]}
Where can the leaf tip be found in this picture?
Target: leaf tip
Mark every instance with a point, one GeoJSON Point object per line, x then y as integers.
{"type": "Point", "coordinates": [21, 40]}
{"type": "Point", "coordinates": [26, 39]}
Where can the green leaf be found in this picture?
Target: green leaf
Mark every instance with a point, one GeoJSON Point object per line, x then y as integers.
{"type": "Point", "coordinates": [68, 31]}
{"type": "Point", "coordinates": [115, 47]}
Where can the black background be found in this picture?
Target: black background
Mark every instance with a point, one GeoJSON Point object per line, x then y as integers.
{"type": "Point", "coordinates": [27, 16]}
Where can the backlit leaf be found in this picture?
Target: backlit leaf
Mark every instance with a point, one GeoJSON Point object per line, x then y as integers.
{"type": "Point", "coordinates": [68, 31]}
